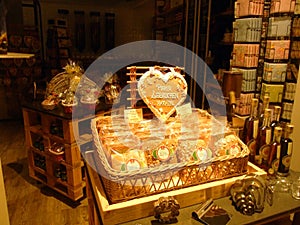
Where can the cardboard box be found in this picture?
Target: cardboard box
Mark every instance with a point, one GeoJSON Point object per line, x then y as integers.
{"type": "Point", "coordinates": [274, 72]}
{"type": "Point", "coordinates": [275, 91]}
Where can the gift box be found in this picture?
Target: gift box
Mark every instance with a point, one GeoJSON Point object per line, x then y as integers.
{"type": "Point", "coordinates": [247, 30]}
{"type": "Point", "coordinates": [279, 26]}
{"type": "Point", "coordinates": [297, 7]}
{"type": "Point", "coordinates": [245, 55]}
{"type": "Point", "coordinates": [276, 49]}
{"type": "Point", "coordinates": [249, 79]}
{"type": "Point", "coordinates": [282, 6]}
{"type": "Point", "coordinates": [275, 72]}
{"type": "Point", "coordinates": [275, 91]}
{"type": "Point", "coordinates": [248, 8]}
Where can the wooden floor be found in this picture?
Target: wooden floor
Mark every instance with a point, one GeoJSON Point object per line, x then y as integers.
{"type": "Point", "coordinates": [31, 203]}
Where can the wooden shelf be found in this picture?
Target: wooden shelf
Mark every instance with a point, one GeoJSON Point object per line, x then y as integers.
{"type": "Point", "coordinates": [16, 55]}
{"type": "Point", "coordinates": [168, 25]}
{"type": "Point", "coordinates": [37, 125]}
{"type": "Point", "coordinates": [36, 129]}
{"type": "Point", "coordinates": [37, 151]}
{"type": "Point", "coordinates": [40, 170]}
{"type": "Point", "coordinates": [170, 11]}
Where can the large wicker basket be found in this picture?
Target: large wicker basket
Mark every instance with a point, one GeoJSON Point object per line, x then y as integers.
{"type": "Point", "coordinates": [125, 185]}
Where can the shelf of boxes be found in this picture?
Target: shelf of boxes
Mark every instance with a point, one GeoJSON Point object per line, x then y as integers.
{"type": "Point", "coordinates": [248, 34]}
{"type": "Point", "coordinates": [279, 45]}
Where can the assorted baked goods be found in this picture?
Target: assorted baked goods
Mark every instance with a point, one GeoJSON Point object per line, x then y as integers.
{"type": "Point", "coordinates": [172, 142]}
{"type": "Point", "coordinates": [179, 147]}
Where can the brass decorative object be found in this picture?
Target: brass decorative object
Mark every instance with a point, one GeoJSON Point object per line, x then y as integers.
{"type": "Point", "coordinates": [166, 209]}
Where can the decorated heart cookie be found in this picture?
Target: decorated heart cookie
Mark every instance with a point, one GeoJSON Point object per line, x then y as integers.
{"type": "Point", "coordinates": [162, 92]}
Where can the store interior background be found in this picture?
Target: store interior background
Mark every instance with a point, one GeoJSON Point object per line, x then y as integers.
{"type": "Point", "coordinates": [133, 19]}
{"type": "Point", "coordinates": [205, 33]}
{"type": "Point", "coordinates": [133, 22]}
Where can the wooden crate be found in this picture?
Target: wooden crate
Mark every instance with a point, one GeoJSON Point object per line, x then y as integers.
{"type": "Point", "coordinates": [37, 125]}
{"type": "Point", "coordinates": [73, 187]}
{"type": "Point", "coordinates": [31, 118]}
{"type": "Point", "coordinates": [72, 152]}
{"type": "Point", "coordinates": [143, 207]}
{"type": "Point", "coordinates": [66, 125]}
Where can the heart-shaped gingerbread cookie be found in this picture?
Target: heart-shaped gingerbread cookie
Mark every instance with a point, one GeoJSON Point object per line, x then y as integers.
{"type": "Point", "coordinates": [162, 92]}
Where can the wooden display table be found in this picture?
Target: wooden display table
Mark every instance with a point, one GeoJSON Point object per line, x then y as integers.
{"type": "Point", "coordinates": [139, 211]}
{"type": "Point", "coordinates": [102, 212]}
{"type": "Point", "coordinates": [45, 129]}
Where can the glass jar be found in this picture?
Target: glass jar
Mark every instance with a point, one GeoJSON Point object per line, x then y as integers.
{"type": "Point", "coordinates": [295, 189]}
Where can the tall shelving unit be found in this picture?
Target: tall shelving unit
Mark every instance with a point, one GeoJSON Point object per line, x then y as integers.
{"type": "Point", "coordinates": [220, 36]}
{"type": "Point", "coordinates": [247, 49]}
{"type": "Point", "coordinates": [278, 50]}
{"type": "Point", "coordinates": [23, 64]}
{"type": "Point", "coordinates": [58, 43]}
{"type": "Point", "coordinates": [168, 21]}
{"type": "Point", "coordinates": [278, 56]}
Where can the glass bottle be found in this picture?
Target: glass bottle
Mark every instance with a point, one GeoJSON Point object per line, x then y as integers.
{"type": "Point", "coordinates": [275, 122]}
{"type": "Point", "coordinates": [251, 129]}
{"type": "Point", "coordinates": [285, 151]}
{"type": "Point", "coordinates": [275, 151]}
{"type": "Point", "coordinates": [251, 123]}
{"type": "Point", "coordinates": [265, 105]}
{"type": "Point", "coordinates": [264, 136]}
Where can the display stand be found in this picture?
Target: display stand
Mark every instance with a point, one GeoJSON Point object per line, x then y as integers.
{"type": "Point", "coordinates": [102, 212]}
{"type": "Point", "coordinates": [44, 130]}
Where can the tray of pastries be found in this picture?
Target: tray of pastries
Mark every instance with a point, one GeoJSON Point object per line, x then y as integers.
{"type": "Point", "coordinates": [145, 156]}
